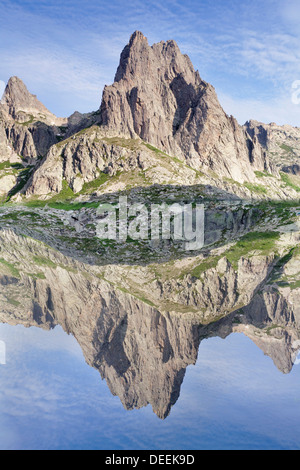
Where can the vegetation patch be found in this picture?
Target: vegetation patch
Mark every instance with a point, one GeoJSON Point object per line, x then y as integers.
{"type": "Point", "coordinates": [13, 270]}
{"type": "Point", "coordinates": [131, 144]}
{"type": "Point", "coordinates": [13, 301]}
{"type": "Point", "coordinates": [263, 174]}
{"type": "Point", "coordinates": [256, 188]}
{"type": "Point", "coordinates": [287, 180]}
{"type": "Point", "coordinates": [95, 184]}
{"type": "Point", "coordinates": [23, 178]}
{"type": "Point", "coordinates": [286, 148]}
{"type": "Point", "coordinates": [27, 123]}
{"type": "Point", "coordinates": [46, 262]}
{"type": "Point", "coordinates": [262, 242]}
{"type": "Point", "coordinates": [205, 265]}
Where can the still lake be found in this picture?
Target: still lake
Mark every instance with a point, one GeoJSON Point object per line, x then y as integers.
{"type": "Point", "coordinates": [232, 398]}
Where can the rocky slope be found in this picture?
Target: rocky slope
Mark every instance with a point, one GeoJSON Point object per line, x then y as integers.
{"type": "Point", "coordinates": [28, 130]}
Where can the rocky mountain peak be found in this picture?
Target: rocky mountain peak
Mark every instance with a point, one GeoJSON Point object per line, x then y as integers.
{"type": "Point", "coordinates": [137, 36]}
{"type": "Point", "coordinates": [139, 58]}
{"type": "Point", "coordinates": [18, 103]}
{"type": "Point", "coordinates": [159, 97]}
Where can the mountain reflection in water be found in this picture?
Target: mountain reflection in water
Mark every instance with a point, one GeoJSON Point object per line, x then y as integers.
{"type": "Point", "coordinates": [141, 352]}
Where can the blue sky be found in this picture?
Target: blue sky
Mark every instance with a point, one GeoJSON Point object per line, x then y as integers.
{"type": "Point", "coordinates": [67, 51]}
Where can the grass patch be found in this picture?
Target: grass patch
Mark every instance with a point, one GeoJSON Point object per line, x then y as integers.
{"type": "Point", "coordinates": [65, 194]}
{"type": "Point", "coordinates": [256, 188]}
{"type": "Point", "coordinates": [14, 271]}
{"type": "Point", "coordinates": [95, 184]}
{"type": "Point", "coordinates": [286, 148]}
{"type": "Point", "coordinates": [46, 262]}
{"type": "Point", "coordinates": [27, 123]}
{"type": "Point", "coordinates": [295, 285]}
{"type": "Point", "coordinates": [262, 242]}
{"type": "Point", "coordinates": [271, 328]}
{"type": "Point", "coordinates": [137, 296]}
{"type": "Point", "coordinates": [23, 178]}
{"type": "Point", "coordinates": [286, 179]}
{"type": "Point", "coordinates": [37, 275]}
{"type": "Point", "coordinates": [205, 265]}
{"type": "Point", "coordinates": [231, 181]}
{"type": "Point", "coordinates": [131, 144]}
{"type": "Point", "coordinates": [13, 301]}
{"type": "Point", "coordinates": [263, 174]}
{"type": "Point", "coordinates": [5, 165]}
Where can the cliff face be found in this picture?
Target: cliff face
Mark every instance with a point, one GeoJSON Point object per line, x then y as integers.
{"type": "Point", "coordinates": [158, 96]}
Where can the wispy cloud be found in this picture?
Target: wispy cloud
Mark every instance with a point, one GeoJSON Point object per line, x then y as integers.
{"type": "Point", "coordinates": [57, 74]}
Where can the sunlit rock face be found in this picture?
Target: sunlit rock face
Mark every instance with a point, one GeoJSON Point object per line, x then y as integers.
{"type": "Point", "coordinates": [27, 128]}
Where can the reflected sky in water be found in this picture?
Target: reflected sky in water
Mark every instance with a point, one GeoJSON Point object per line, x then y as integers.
{"type": "Point", "coordinates": [234, 397]}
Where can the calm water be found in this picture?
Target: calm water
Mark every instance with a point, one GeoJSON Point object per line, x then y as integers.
{"type": "Point", "coordinates": [234, 397]}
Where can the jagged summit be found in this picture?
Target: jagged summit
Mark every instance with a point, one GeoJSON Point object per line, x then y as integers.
{"type": "Point", "coordinates": [137, 36]}
{"type": "Point", "coordinates": [27, 128]}
{"type": "Point", "coordinates": [19, 103]}
{"type": "Point", "coordinates": [138, 57]}
{"type": "Point", "coordinates": [159, 97]}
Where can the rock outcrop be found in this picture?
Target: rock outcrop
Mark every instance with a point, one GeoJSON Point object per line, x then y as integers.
{"type": "Point", "coordinates": [19, 104]}
{"type": "Point", "coordinates": [282, 144]}
{"type": "Point", "coordinates": [28, 127]}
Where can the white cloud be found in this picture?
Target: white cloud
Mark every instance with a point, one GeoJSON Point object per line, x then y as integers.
{"type": "Point", "coordinates": [60, 70]}
{"type": "Point", "coordinates": [274, 56]}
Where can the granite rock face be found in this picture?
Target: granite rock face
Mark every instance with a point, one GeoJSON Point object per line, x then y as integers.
{"type": "Point", "coordinates": [6, 151]}
{"type": "Point", "coordinates": [158, 96]}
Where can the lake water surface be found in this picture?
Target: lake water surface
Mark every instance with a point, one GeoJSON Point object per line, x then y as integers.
{"type": "Point", "coordinates": [233, 398]}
